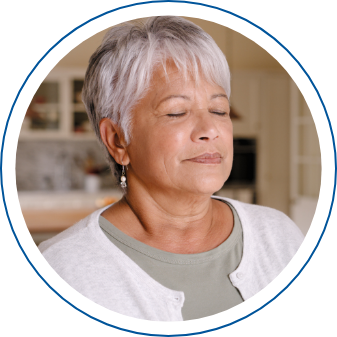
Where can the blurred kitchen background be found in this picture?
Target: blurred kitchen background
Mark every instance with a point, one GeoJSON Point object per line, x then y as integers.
{"type": "Point", "coordinates": [62, 175]}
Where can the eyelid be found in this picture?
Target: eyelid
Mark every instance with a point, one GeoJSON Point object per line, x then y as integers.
{"type": "Point", "coordinates": [177, 114]}
{"type": "Point", "coordinates": [183, 113]}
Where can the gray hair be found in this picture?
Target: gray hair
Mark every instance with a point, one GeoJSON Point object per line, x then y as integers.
{"type": "Point", "coordinates": [120, 70]}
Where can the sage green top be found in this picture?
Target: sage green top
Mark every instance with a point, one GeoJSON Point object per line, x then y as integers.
{"type": "Point", "coordinates": [203, 277]}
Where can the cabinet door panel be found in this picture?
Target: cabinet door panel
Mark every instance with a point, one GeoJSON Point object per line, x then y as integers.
{"type": "Point", "coordinates": [305, 168]}
{"type": "Point", "coordinates": [44, 111]}
{"type": "Point", "coordinates": [245, 99]}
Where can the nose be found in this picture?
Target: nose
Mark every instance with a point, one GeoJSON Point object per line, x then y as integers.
{"type": "Point", "coordinates": [205, 128]}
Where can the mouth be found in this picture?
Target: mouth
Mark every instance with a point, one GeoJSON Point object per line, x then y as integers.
{"type": "Point", "coordinates": [207, 158]}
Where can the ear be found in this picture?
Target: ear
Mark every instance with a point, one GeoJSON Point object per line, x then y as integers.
{"type": "Point", "coordinates": [113, 138]}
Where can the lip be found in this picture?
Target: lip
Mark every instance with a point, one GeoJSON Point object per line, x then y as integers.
{"type": "Point", "coordinates": [207, 158]}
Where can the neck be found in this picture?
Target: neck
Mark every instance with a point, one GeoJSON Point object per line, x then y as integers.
{"type": "Point", "coordinates": [170, 223]}
{"type": "Point", "coordinates": [176, 208]}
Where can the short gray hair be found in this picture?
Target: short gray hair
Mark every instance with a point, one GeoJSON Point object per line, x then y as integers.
{"type": "Point", "coordinates": [120, 70]}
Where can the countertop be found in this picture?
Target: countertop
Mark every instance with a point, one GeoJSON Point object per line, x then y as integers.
{"type": "Point", "coordinates": [73, 199]}
{"type": "Point", "coordinates": [54, 211]}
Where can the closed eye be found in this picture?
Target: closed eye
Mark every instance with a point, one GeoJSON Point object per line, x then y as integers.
{"type": "Point", "coordinates": [177, 115]}
{"type": "Point", "coordinates": [184, 113]}
{"type": "Point", "coordinates": [219, 113]}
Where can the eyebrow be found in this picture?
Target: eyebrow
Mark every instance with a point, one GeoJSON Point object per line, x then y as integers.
{"type": "Point", "coordinates": [188, 99]}
{"type": "Point", "coordinates": [219, 95]}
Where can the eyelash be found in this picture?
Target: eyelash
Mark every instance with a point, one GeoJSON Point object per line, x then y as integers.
{"type": "Point", "coordinates": [183, 113]}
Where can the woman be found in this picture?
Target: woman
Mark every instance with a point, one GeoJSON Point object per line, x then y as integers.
{"type": "Point", "coordinates": [157, 94]}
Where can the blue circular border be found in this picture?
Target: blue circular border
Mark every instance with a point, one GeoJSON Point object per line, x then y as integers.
{"type": "Point", "coordinates": [192, 3]}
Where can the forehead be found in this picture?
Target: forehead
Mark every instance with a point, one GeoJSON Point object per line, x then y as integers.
{"type": "Point", "coordinates": [170, 71]}
{"type": "Point", "coordinates": [171, 78]}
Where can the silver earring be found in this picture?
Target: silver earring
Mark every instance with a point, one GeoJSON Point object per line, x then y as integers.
{"type": "Point", "coordinates": [123, 178]}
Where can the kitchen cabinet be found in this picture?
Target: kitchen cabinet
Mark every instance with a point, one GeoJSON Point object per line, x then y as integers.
{"type": "Point", "coordinates": [57, 110]}
{"type": "Point", "coordinates": [261, 99]}
{"type": "Point", "coordinates": [246, 100]}
{"type": "Point", "coordinates": [305, 168]}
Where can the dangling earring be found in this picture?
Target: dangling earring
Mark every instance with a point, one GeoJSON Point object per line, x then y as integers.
{"type": "Point", "coordinates": [123, 177]}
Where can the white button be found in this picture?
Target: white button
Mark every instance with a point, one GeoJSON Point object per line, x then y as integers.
{"type": "Point", "coordinates": [240, 275]}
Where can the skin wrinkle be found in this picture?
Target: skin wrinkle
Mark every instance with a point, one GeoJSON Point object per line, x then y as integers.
{"type": "Point", "coordinates": [168, 195]}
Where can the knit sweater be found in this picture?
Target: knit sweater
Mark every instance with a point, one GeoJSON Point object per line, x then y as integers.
{"type": "Point", "coordinates": [87, 260]}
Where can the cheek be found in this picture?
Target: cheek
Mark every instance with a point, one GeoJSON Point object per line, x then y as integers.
{"type": "Point", "coordinates": [226, 129]}
{"type": "Point", "coordinates": [174, 140]}
{"type": "Point", "coordinates": [168, 147]}
{"type": "Point", "coordinates": [167, 138]}
{"type": "Point", "coordinates": [227, 138]}
{"type": "Point", "coordinates": [156, 149]}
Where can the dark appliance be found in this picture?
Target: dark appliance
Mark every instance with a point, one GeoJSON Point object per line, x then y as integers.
{"type": "Point", "coordinates": [244, 163]}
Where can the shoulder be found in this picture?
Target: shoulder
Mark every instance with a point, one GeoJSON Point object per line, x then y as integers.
{"type": "Point", "coordinates": [268, 226]}
{"type": "Point", "coordinates": [80, 255]}
{"type": "Point", "coordinates": [270, 240]}
{"type": "Point", "coordinates": [65, 250]}
{"type": "Point", "coordinates": [72, 245]}
{"type": "Point", "coordinates": [67, 235]}
{"type": "Point", "coordinates": [74, 233]}
{"type": "Point", "coordinates": [253, 210]}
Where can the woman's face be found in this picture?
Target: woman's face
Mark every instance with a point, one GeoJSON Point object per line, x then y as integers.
{"type": "Point", "coordinates": [182, 136]}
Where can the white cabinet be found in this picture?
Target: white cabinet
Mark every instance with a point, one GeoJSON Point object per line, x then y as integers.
{"type": "Point", "coordinates": [245, 99]}
{"type": "Point", "coordinates": [305, 168]}
{"type": "Point", "coordinates": [261, 98]}
{"type": "Point", "coordinates": [56, 111]}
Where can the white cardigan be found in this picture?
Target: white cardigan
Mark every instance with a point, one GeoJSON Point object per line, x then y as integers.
{"type": "Point", "coordinates": [87, 260]}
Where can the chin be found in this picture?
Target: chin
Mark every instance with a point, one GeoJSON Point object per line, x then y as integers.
{"type": "Point", "coordinates": [207, 186]}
